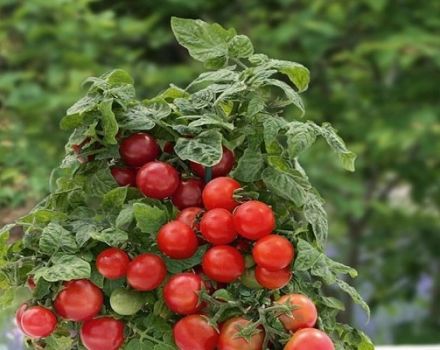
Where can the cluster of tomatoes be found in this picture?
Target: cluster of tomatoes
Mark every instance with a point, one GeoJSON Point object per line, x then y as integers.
{"type": "Point", "coordinates": [241, 242]}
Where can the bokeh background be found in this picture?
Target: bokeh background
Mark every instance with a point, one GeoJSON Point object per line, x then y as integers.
{"type": "Point", "coordinates": [375, 69]}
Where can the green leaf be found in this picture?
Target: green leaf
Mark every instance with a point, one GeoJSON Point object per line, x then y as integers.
{"type": "Point", "coordinates": [176, 266]}
{"type": "Point", "coordinates": [291, 95]}
{"type": "Point", "coordinates": [157, 108]}
{"type": "Point", "coordinates": [64, 268]}
{"type": "Point", "coordinates": [240, 47]}
{"type": "Point", "coordinates": [58, 342]}
{"type": "Point", "coordinates": [137, 344]}
{"type": "Point", "coordinates": [125, 217]}
{"type": "Point", "coordinates": [205, 148]}
{"type": "Point", "coordinates": [112, 236]}
{"type": "Point", "coordinates": [354, 294]}
{"type": "Point", "coordinates": [109, 123]}
{"type": "Point", "coordinates": [149, 218]}
{"type": "Point", "coordinates": [56, 238]}
{"type": "Point", "coordinates": [99, 183]}
{"type": "Point", "coordinates": [300, 136]}
{"type": "Point", "coordinates": [255, 105]}
{"type": "Point", "coordinates": [316, 215]}
{"type": "Point", "coordinates": [83, 231]}
{"type": "Point", "coordinates": [297, 73]}
{"type": "Point", "coordinates": [118, 77]}
{"type": "Point", "coordinates": [203, 40]}
{"type": "Point", "coordinates": [115, 198]}
{"type": "Point", "coordinates": [225, 75]}
{"type": "Point", "coordinates": [43, 216]}
{"type": "Point", "coordinates": [272, 127]}
{"type": "Point", "coordinates": [209, 119]}
{"type": "Point", "coordinates": [137, 117]}
{"type": "Point", "coordinates": [249, 166]}
{"type": "Point", "coordinates": [86, 104]}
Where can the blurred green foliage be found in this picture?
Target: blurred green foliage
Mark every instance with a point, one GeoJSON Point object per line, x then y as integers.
{"type": "Point", "coordinates": [375, 67]}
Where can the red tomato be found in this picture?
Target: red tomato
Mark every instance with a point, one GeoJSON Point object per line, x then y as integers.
{"type": "Point", "coordinates": [304, 313]}
{"type": "Point", "coordinates": [19, 315]}
{"type": "Point", "coordinates": [217, 226]}
{"type": "Point", "coordinates": [146, 272]}
{"type": "Point", "coordinates": [230, 340]}
{"type": "Point", "coordinates": [272, 279]}
{"type": "Point", "coordinates": [124, 176]}
{"type": "Point", "coordinates": [273, 252]}
{"type": "Point", "coordinates": [188, 194]}
{"type": "Point", "coordinates": [309, 338]}
{"type": "Point", "coordinates": [195, 333]}
{"type": "Point", "coordinates": [79, 300]}
{"type": "Point", "coordinates": [168, 147]}
{"type": "Point", "coordinates": [223, 263]}
{"type": "Point", "coordinates": [105, 333]}
{"type": "Point", "coordinates": [219, 193]}
{"type": "Point", "coordinates": [31, 282]}
{"type": "Point", "coordinates": [177, 240]}
{"type": "Point", "coordinates": [112, 263]}
{"type": "Point", "coordinates": [139, 149]}
{"type": "Point", "coordinates": [190, 216]}
{"type": "Point", "coordinates": [38, 322]}
{"type": "Point", "coordinates": [243, 245]}
{"type": "Point", "coordinates": [157, 180]}
{"type": "Point", "coordinates": [220, 169]}
{"type": "Point", "coordinates": [181, 293]}
{"type": "Point", "coordinates": [254, 220]}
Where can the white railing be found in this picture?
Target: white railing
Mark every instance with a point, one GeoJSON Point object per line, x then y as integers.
{"type": "Point", "coordinates": [409, 347]}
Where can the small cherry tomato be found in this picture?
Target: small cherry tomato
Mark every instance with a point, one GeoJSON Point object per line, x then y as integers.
{"type": "Point", "coordinates": [273, 252]}
{"type": "Point", "coordinates": [177, 240]}
{"type": "Point", "coordinates": [254, 220]}
{"type": "Point", "coordinates": [188, 194]}
{"type": "Point", "coordinates": [104, 333]}
{"type": "Point", "coordinates": [272, 279]}
{"type": "Point", "coordinates": [38, 322]}
{"type": "Point", "coordinates": [190, 217]}
{"type": "Point", "coordinates": [195, 333]}
{"type": "Point", "coordinates": [168, 147]}
{"type": "Point", "coordinates": [146, 272]}
{"type": "Point", "coordinates": [112, 263]}
{"type": "Point", "coordinates": [181, 293]}
{"type": "Point", "coordinates": [217, 226]}
{"type": "Point", "coordinates": [219, 193]}
{"type": "Point", "coordinates": [309, 338]}
{"type": "Point", "coordinates": [223, 263]}
{"type": "Point", "coordinates": [157, 180]}
{"type": "Point", "coordinates": [79, 300]}
{"type": "Point", "coordinates": [19, 315]}
{"type": "Point", "coordinates": [304, 313]}
{"type": "Point", "coordinates": [139, 149]}
{"type": "Point", "coordinates": [230, 339]}
{"type": "Point", "coordinates": [124, 176]}
{"type": "Point", "coordinates": [220, 169]}
{"type": "Point", "coordinates": [31, 283]}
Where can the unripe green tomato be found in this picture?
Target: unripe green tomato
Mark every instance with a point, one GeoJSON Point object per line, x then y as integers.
{"type": "Point", "coordinates": [248, 279]}
{"type": "Point", "coordinates": [249, 261]}
{"type": "Point", "coordinates": [126, 302]}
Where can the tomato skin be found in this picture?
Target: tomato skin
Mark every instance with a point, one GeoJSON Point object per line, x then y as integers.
{"type": "Point", "coordinates": [79, 300]}
{"type": "Point", "coordinates": [309, 338]}
{"type": "Point", "coordinates": [219, 193]}
{"type": "Point", "coordinates": [217, 226]}
{"type": "Point", "coordinates": [229, 339]}
{"type": "Point", "coordinates": [272, 279]}
{"type": "Point", "coordinates": [146, 272]}
{"type": "Point", "coordinates": [188, 194]}
{"type": "Point", "coordinates": [195, 333]}
{"type": "Point", "coordinates": [254, 220]}
{"type": "Point", "coordinates": [223, 263]}
{"type": "Point", "coordinates": [168, 147]}
{"type": "Point", "coordinates": [304, 314]}
{"type": "Point", "coordinates": [124, 176]}
{"type": "Point", "coordinates": [139, 149]}
{"type": "Point", "coordinates": [38, 322]}
{"type": "Point", "coordinates": [104, 333]}
{"type": "Point", "coordinates": [177, 240]}
{"type": "Point", "coordinates": [189, 216]}
{"type": "Point", "coordinates": [220, 169]}
{"type": "Point", "coordinates": [157, 180]}
{"type": "Point", "coordinates": [112, 263]}
{"type": "Point", "coordinates": [181, 293]}
{"type": "Point", "coordinates": [273, 252]}
{"type": "Point", "coordinates": [19, 315]}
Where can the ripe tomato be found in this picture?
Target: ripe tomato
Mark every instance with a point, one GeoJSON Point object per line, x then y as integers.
{"type": "Point", "coordinates": [190, 216]}
{"type": "Point", "coordinates": [272, 279]}
{"type": "Point", "coordinates": [273, 252]}
{"type": "Point", "coordinates": [157, 180]}
{"type": "Point", "coordinates": [309, 338]}
{"type": "Point", "coordinates": [105, 333]}
{"type": "Point", "coordinates": [188, 194]}
{"type": "Point", "coordinates": [79, 300]}
{"type": "Point", "coordinates": [139, 149]}
{"type": "Point", "coordinates": [168, 147]}
{"type": "Point", "coordinates": [19, 315]}
{"type": "Point", "coordinates": [112, 263]}
{"type": "Point", "coordinates": [31, 283]}
{"type": "Point", "coordinates": [177, 240]}
{"type": "Point", "coordinates": [220, 169]}
{"type": "Point", "coordinates": [146, 272]}
{"type": "Point", "coordinates": [254, 220]}
{"type": "Point", "coordinates": [217, 226]}
{"type": "Point", "coordinates": [230, 340]}
{"type": "Point", "coordinates": [124, 176]}
{"type": "Point", "coordinates": [195, 333]}
{"type": "Point", "coordinates": [38, 322]}
{"type": "Point", "coordinates": [304, 313]}
{"type": "Point", "coordinates": [181, 293]}
{"type": "Point", "coordinates": [223, 263]}
{"type": "Point", "coordinates": [219, 193]}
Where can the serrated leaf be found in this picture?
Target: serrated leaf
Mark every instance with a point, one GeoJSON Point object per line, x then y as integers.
{"type": "Point", "coordinates": [109, 123]}
{"type": "Point", "coordinates": [272, 127]}
{"type": "Point", "coordinates": [64, 268]}
{"type": "Point", "coordinates": [354, 294]}
{"type": "Point", "coordinates": [157, 108]}
{"type": "Point", "coordinates": [224, 75]}
{"type": "Point", "coordinates": [300, 136]}
{"type": "Point", "coordinates": [112, 236]}
{"type": "Point", "coordinates": [125, 217]}
{"type": "Point", "coordinates": [55, 238]}
{"type": "Point", "coordinates": [137, 117]}
{"type": "Point", "coordinates": [297, 73]}
{"type": "Point", "coordinates": [255, 106]}
{"type": "Point", "coordinates": [58, 342]}
{"type": "Point", "coordinates": [249, 166]}
{"type": "Point", "coordinates": [316, 215]}
{"type": "Point", "coordinates": [176, 266]}
{"type": "Point", "coordinates": [209, 119]}
{"type": "Point", "coordinates": [85, 104]}
{"type": "Point", "coordinates": [240, 47]}
{"type": "Point", "coordinates": [99, 183]}
{"type": "Point", "coordinates": [115, 198]}
{"type": "Point", "coordinates": [149, 218]}
{"type": "Point", "coordinates": [291, 95]}
{"type": "Point", "coordinates": [119, 76]}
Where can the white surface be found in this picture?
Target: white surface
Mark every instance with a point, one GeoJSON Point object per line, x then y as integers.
{"type": "Point", "coordinates": [409, 347]}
